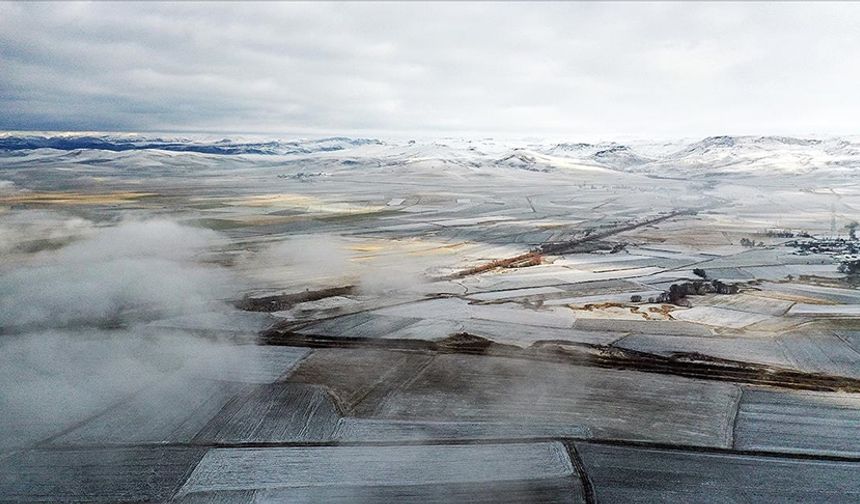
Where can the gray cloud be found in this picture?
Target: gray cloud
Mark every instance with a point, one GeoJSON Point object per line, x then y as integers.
{"type": "Point", "coordinates": [550, 69]}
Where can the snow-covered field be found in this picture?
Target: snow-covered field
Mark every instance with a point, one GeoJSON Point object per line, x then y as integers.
{"type": "Point", "coordinates": [147, 266]}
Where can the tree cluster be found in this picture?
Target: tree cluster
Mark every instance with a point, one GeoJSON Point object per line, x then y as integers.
{"type": "Point", "coordinates": [678, 292]}
{"type": "Point", "coordinates": [746, 242]}
{"type": "Point", "coordinates": [850, 267]}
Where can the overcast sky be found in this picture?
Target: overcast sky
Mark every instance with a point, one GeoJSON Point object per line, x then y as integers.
{"type": "Point", "coordinates": [555, 69]}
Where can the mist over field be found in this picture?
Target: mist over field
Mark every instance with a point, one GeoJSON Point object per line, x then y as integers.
{"type": "Point", "coordinates": [78, 320]}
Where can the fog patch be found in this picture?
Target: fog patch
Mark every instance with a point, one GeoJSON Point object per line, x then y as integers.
{"type": "Point", "coordinates": [6, 186]}
{"type": "Point", "coordinates": [84, 325]}
{"type": "Point", "coordinates": [313, 255]}
{"type": "Point", "coordinates": [403, 275]}
{"type": "Point", "coordinates": [136, 271]}
{"type": "Point", "coordinates": [32, 231]}
{"type": "Point", "coordinates": [372, 267]}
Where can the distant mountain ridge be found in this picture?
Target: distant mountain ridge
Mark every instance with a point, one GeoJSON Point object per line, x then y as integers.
{"type": "Point", "coordinates": [746, 154]}
{"type": "Point", "coordinates": [741, 155]}
{"type": "Point", "coordinates": [223, 147]}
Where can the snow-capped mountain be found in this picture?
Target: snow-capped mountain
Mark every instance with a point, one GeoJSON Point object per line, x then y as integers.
{"type": "Point", "coordinates": [756, 155]}
{"type": "Point", "coordinates": [737, 155]}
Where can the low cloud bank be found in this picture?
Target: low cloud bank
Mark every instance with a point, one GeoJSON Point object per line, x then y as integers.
{"type": "Point", "coordinates": [82, 326]}
{"type": "Point", "coordinates": [137, 271]}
